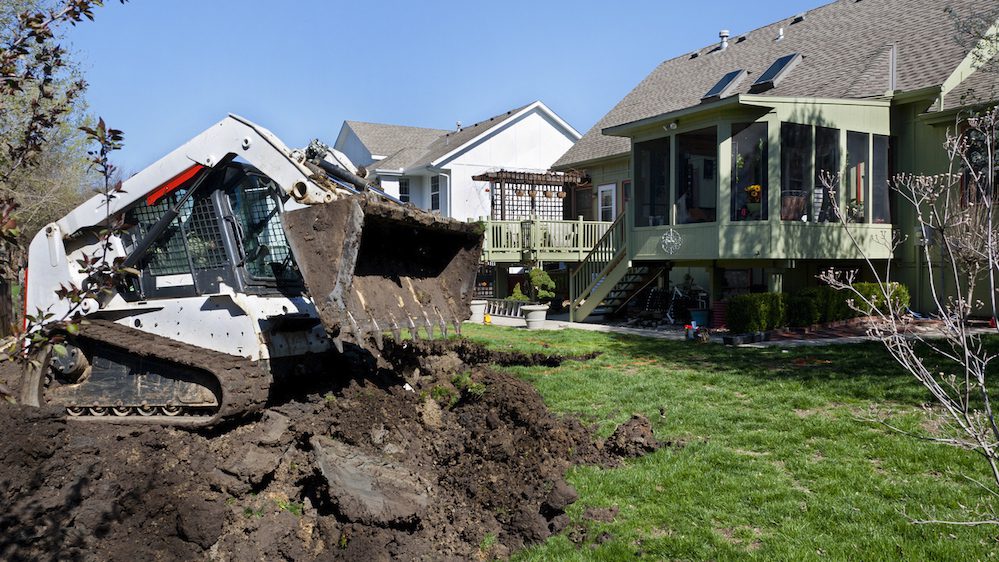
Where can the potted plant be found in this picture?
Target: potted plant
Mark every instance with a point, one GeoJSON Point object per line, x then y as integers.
{"type": "Point", "coordinates": [543, 289]}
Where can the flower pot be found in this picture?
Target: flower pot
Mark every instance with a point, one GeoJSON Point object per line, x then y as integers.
{"type": "Point", "coordinates": [535, 315]}
{"type": "Point", "coordinates": [478, 311]}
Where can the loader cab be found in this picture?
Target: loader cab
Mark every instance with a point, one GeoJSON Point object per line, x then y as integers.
{"type": "Point", "coordinates": [229, 231]}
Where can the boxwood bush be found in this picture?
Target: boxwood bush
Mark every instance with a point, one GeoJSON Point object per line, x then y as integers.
{"type": "Point", "coordinates": [756, 312]}
{"type": "Point", "coordinates": [832, 305]}
{"type": "Point", "coordinates": [759, 312]}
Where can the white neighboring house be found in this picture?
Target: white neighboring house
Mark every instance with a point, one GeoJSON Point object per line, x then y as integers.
{"type": "Point", "coordinates": [433, 168]}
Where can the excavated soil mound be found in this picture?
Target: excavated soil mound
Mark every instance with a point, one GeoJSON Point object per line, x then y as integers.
{"type": "Point", "coordinates": [459, 462]}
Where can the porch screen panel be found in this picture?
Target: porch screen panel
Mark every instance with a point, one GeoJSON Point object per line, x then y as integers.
{"type": "Point", "coordinates": [827, 161]}
{"type": "Point", "coordinates": [697, 176]}
{"type": "Point", "coordinates": [795, 165]}
{"type": "Point", "coordinates": [857, 174]}
{"type": "Point", "coordinates": [749, 171]}
{"type": "Point", "coordinates": [880, 209]}
{"type": "Point", "coordinates": [652, 182]}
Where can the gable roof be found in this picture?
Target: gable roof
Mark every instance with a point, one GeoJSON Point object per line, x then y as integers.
{"type": "Point", "coordinates": [383, 140]}
{"type": "Point", "coordinates": [455, 139]}
{"type": "Point", "coordinates": [443, 143]}
{"type": "Point", "coordinates": [846, 49]}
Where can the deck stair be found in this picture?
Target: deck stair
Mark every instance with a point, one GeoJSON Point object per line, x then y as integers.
{"type": "Point", "coordinates": [635, 280]}
{"type": "Point", "coordinates": [599, 273]}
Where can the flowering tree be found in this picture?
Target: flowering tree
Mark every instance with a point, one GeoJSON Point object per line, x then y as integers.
{"type": "Point", "coordinates": [956, 213]}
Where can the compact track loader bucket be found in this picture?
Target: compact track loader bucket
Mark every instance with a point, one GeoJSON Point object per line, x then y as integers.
{"type": "Point", "coordinates": [375, 267]}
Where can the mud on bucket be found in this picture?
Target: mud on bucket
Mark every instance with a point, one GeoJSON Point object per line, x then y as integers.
{"type": "Point", "coordinates": [374, 267]}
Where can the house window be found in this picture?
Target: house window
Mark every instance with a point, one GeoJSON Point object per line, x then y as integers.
{"type": "Point", "coordinates": [404, 190]}
{"type": "Point", "coordinates": [749, 171]}
{"type": "Point", "coordinates": [652, 182]}
{"type": "Point", "coordinates": [827, 165]}
{"type": "Point", "coordinates": [880, 209]}
{"type": "Point", "coordinates": [435, 193]}
{"type": "Point", "coordinates": [795, 165]}
{"type": "Point", "coordinates": [697, 178]}
{"type": "Point", "coordinates": [857, 165]}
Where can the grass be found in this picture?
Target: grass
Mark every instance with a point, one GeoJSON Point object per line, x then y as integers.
{"type": "Point", "coordinates": [778, 460]}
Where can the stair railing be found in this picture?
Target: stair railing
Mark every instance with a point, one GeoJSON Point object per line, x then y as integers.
{"type": "Point", "coordinates": [609, 250]}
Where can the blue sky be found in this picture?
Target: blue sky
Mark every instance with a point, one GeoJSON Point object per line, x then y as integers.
{"type": "Point", "coordinates": [164, 70]}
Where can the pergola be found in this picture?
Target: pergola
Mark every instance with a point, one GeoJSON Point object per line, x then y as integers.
{"type": "Point", "coordinates": [525, 195]}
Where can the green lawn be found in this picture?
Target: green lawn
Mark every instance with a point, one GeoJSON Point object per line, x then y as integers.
{"type": "Point", "coordinates": [778, 462]}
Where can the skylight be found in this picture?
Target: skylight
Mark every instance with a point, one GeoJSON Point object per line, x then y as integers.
{"type": "Point", "coordinates": [777, 71]}
{"type": "Point", "coordinates": [725, 86]}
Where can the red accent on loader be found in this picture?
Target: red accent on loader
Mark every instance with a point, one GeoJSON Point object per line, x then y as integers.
{"type": "Point", "coordinates": [172, 184]}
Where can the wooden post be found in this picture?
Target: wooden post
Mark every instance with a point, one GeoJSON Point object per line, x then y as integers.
{"type": "Point", "coordinates": [502, 187]}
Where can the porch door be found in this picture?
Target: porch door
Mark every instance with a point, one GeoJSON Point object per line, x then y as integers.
{"type": "Point", "coordinates": [607, 201]}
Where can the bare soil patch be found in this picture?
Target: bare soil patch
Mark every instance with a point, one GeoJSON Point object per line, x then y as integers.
{"type": "Point", "coordinates": [347, 463]}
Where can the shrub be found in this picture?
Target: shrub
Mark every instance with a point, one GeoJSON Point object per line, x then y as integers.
{"type": "Point", "coordinates": [897, 292]}
{"type": "Point", "coordinates": [542, 284]}
{"type": "Point", "coordinates": [518, 295]}
{"type": "Point", "coordinates": [756, 312]}
{"type": "Point", "coordinates": [832, 305]}
{"type": "Point", "coordinates": [802, 311]}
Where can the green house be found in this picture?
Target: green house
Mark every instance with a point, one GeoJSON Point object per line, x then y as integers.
{"type": "Point", "coordinates": [724, 164]}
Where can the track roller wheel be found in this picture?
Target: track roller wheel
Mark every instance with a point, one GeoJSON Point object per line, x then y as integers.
{"type": "Point", "coordinates": [75, 411]}
{"type": "Point", "coordinates": [121, 411]}
{"type": "Point", "coordinates": [146, 410]}
{"type": "Point", "coordinates": [98, 411]}
{"type": "Point", "coordinates": [171, 410]}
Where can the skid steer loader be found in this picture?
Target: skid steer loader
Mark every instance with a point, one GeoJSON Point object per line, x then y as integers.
{"type": "Point", "coordinates": [249, 256]}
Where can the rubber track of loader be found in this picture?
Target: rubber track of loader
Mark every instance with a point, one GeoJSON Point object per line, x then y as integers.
{"type": "Point", "coordinates": [245, 384]}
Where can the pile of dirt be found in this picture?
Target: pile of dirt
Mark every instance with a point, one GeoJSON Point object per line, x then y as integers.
{"type": "Point", "coordinates": [457, 461]}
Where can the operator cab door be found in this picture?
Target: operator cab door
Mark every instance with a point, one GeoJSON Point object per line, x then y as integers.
{"type": "Point", "coordinates": [252, 208]}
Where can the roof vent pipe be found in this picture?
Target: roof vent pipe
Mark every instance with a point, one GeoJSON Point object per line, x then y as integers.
{"type": "Point", "coordinates": [723, 35]}
{"type": "Point", "coordinates": [780, 34]}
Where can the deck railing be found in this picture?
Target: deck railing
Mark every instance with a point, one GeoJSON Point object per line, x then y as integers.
{"type": "Point", "coordinates": [505, 308]}
{"type": "Point", "coordinates": [541, 240]}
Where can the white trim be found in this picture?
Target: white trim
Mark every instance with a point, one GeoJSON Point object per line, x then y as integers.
{"type": "Point", "coordinates": [573, 133]}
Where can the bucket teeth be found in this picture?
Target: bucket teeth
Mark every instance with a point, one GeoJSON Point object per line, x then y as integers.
{"type": "Point", "coordinates": [428, 326]}
{"type": "Point", "coordinates": [376, 332]}
{"type": "Point", "coordinates": [441, 322]}
{"type": "Point", "coordinates": [354, 329]}
{"type": "Point", "coordinates": [412, 329]}
{"type": "Point", "coordinates": [396, 331]}
{"type": "Point", "coordinates": [338, 344]}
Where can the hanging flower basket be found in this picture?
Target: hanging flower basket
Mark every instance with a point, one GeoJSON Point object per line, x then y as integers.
{"type": "Point", "coordinates": [561, 195]}
{"type": "Point", "coordinates": [548, 194]}
{"type": "Point", "coordinates": [520, 193]}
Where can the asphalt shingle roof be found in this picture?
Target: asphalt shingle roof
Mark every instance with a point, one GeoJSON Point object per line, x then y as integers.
{"type": "Point", "coordinates": [406, 147]}
{"type": "Point", "coordinates": [846, 53]}
{"type": "Point", "coordinates": [385, 140]}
